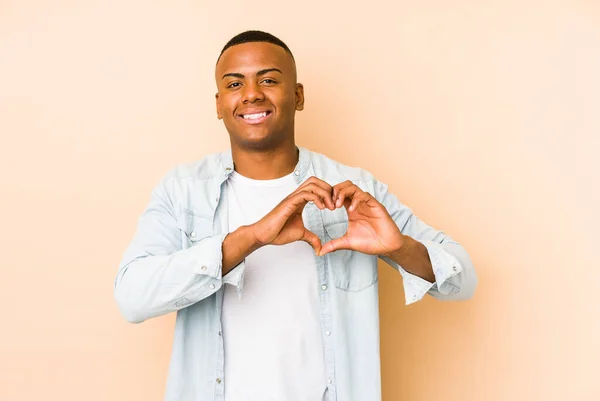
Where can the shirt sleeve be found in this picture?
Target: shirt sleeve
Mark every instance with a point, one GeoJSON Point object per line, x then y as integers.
{"type": "Point", "coordinates": [455, 277]}
{"type": "Point", "coordinates": [235, 277]}
{"type": "Point", "coordinates": [156, 276]}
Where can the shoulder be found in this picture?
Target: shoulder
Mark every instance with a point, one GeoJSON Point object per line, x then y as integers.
{"type": "Point", "coordinates": [191, 186]}
{"type": "Point", "coordinates": [205, 168]}
{"type": "Point", "coordinates": [335, 172]}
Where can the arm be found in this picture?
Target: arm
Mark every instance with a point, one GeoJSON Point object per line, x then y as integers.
{"type": "Point", "coordinates": [156, 276]}
{"type": "Point", "coordinates": [452, 275]}
{"type": "Point", "coordinates": [429, 261]}
{"type": "Point", "coordinates": [414, 258]}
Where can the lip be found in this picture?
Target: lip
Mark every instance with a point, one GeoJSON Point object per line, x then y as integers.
{"type": "Point", "coordinates": [254, 111]}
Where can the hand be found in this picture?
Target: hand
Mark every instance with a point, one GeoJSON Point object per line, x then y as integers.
{"type": "Point", "coordinates": [371, 229]}
{"type": "Point", "coordinates": [284, 224]}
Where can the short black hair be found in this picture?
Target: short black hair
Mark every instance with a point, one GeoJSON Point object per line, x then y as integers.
{"type": "Point", "coordinates": [255, 36]}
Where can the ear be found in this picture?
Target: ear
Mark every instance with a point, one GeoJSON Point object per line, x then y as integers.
{"type": "Point", "coordinates": [299, 97]}
{"type": "Point", "coordinates": [219, 116]}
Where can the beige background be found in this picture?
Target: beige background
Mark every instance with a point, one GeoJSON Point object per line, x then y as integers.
{"type": "Point", "coordinates": [483, 116]}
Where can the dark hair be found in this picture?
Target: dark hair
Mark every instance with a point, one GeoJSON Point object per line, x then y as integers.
{"type": "Point", "coordinates": [255, 36]}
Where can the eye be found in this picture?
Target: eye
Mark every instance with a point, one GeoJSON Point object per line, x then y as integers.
{"type": "Point", "coordinates": [233, 85]}
{"type": "Point", "coordinates": [268, 81]}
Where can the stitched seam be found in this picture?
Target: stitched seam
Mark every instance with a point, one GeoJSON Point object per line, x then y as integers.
{"type": "Point", "coordinates": [360, 289]}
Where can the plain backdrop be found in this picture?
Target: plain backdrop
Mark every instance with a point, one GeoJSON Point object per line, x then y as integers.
{"type": "Point", "coordinates": [482, 116]}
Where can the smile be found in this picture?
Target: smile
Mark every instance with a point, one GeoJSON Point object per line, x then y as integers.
{"type": "Point", "coordinates": [255, 118]}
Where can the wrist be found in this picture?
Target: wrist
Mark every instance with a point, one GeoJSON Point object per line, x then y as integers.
{"type": "Point", "coordinates": [401, 249]}
{"type": "Point", "coordinates": [248, 233]}
{"type": "Point", "coordinates": [414, 258]}
{"type": "Point", "coordinates": [237, 245]}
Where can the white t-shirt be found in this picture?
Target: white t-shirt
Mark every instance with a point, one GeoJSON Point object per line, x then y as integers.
{"type": "Point", "coordinates": [272, 334]}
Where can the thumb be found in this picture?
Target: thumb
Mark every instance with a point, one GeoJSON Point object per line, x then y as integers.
{"type": "Point", "coordinates": [313, 240]}
{"type": "Point", "coordinates": [334, 245]}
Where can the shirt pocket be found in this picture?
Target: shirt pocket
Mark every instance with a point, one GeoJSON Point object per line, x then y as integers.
{"type": "Point", "coordinates": [193, 228]}
{"type": "Point", "coordinates": [352, 271]}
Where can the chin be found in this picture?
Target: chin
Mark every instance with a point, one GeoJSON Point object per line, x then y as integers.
{"type": "Point", "coordinates": [254, 141]}
{"type": "Point", "coordinates": [259, 143]}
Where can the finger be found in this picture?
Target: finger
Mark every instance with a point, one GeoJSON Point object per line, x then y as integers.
{"type": "Point", "coordinates": [302, 198]}
{"type": "Point", "coordinates": [316, 181]}
{"type": "Point", "coordinates": [347, 203]}
{"type": "Point", "coordinates": [324, 188]}
{"type": "Point", "coordinates": [347, 192]}
{"type": "Point", "coordinates": [324, 193]}
{"type": "Point", "coordinates": [334, 245]}
{"type": "Point", "coordinates": [358, 199]}
{"type": "Point", "coordinates": [336, 188]}
{"type": "Point", "coordinates": [313, 240]}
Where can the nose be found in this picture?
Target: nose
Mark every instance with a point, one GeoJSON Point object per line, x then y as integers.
{"type": "Point", "coordinates": [252, 92]}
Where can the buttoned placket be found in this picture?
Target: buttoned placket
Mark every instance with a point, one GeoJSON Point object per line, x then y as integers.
{"type": "Point", "coordinates": [315, 223]}
{"type": "Point", "coordinates": [221, 224]}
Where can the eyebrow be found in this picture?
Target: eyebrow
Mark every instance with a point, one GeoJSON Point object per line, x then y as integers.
{"type": "Point", "coordinates": [259, 73]}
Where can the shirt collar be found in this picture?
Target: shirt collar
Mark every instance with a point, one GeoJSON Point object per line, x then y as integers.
{"type": "Point", "coordinates": [300, 171]}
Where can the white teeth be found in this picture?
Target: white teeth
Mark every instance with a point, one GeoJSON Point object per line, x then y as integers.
{"type": "Point", "coordinates": [254, 116]}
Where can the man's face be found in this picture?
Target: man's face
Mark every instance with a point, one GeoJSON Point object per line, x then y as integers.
{"type": "Point", "coordinates": [258, 95]}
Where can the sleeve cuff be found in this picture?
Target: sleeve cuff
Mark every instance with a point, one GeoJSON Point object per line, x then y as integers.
{"type": "Point", "coordinates": [445, 266]}
{"type": "Point", "coordinates": [208, 261]}
{"type": "Point", "coordinates": [207, 256]}
{"type": "Point", "coordinates": [236, 278]}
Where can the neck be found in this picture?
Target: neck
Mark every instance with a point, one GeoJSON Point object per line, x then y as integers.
{"type": "Point", "coordinates": [265, 164]}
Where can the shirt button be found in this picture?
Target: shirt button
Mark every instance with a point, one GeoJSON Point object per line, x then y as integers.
{"type": "Point", "coordinates": [212, 286]}
{"type": "Point", "coordinates": [217, 199]}
{"type": "Point", "coordinates": [203, 268]}
{"type": "Point", "coordinates": [324, 287]}
{"type": "Point", "coordinates": [193, 234]}
{"type": "Point", "coordinates": [455, 268]}
{"type": "Point", "coordinates": [329, 381]}
{"type": "Point", "coordinates": [414, 297]}
{"type": "Point", "coordinates": [296, 173]}
{"type": "Point", "coordinates": [327, 333]}
{"type": "Point", "coordinates": [219, 332]}
{"type": "Point", "coordinates": [227, 168]}
{"type": "Point", "coordinates": [218, 380]}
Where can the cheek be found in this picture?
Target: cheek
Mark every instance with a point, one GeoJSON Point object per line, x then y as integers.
{"type": "Point", "coordinates": [226, 103]}
{"type": "Point", "coordinates": [286, 102]}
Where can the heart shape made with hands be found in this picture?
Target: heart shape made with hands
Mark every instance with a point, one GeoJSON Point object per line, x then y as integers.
{"type": "Point", "coordinates": [370, 229]}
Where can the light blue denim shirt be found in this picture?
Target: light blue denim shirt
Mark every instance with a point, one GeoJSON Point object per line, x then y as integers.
{"type": "Point", "coordinates": [174, 264]}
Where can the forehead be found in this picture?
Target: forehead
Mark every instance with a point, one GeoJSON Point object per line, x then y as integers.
{"type": "Point", "coordinates": [247, 58]}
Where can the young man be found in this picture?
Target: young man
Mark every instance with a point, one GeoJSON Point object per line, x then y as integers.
{"type": "Point", "coordinates": [268, 253]}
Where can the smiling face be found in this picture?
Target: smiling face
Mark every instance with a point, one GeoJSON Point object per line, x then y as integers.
{"type": "Point", "coordinates": [258, 95]}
